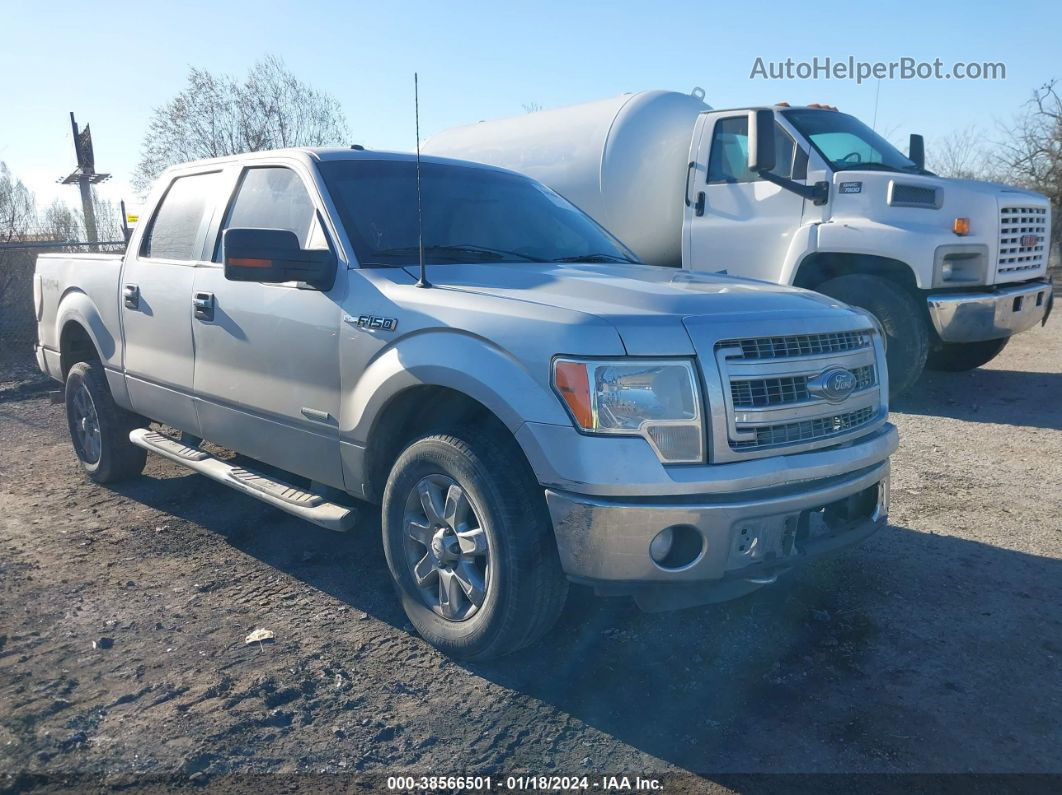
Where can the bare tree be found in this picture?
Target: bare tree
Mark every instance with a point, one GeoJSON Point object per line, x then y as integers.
{"type": "Point", "coordinates": [1030, 151]}
{"type": "Point", "coordinates": [963, 154]}
{"type": "Point", "coordinates": [18, 212]}
{"type": "Point", "coordinates": [60, 221]}
{"type": "Point", "coordinates": [18, 209]}
{"type": "Point", "coordinates": [531, 107]}
{"type": "Point", "coordinates": [218, 115]}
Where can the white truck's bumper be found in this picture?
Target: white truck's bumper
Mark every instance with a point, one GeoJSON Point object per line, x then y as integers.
{"type": "Point", "coordinates": [990, 315]}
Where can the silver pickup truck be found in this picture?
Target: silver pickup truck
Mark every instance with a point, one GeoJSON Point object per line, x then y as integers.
{"type": "Point", "coordinates": [541, 408]}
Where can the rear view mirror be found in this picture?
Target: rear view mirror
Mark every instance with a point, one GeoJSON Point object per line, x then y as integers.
{"type": "Point", "coordinates": [274, 255]}
{"type": "Point", "coordinates": [761, 141]}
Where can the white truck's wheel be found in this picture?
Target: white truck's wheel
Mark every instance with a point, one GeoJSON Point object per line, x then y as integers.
{"type": "Point", "coordinates": [957, 357]}
{"type": "Point", "coordinates": [470, 546]}
{"type": "Point", "coordinates": [99, 428]}
{"type": "Point", "coordinates": [899, 314]}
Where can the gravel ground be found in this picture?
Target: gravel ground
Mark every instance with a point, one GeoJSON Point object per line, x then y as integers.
{"type": "Point", "coordinates": [935, 646]}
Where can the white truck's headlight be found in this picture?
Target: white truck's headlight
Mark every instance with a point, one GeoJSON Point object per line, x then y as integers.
{"type": "Point", "coordinates": [657, 399]}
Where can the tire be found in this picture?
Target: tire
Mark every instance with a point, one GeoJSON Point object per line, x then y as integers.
{"type": "Point", "coordinates": [513, 557]}
{"type": "Point", "coordinates": [900, 315]}
{"type": "Point", "coordinates": [99, 428]}
{"type": "Point", "coordinates": [956, 357]}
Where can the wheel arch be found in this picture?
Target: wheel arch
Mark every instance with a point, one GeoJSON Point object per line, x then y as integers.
{"type": "Point", "coordinates": [79, 318]}
{"type": "Point", "coordinates": [821, 266]}
{"type": "Point", "coordinates": [75, 345]}
{"type": "Point", "coordinates": [417, 411]}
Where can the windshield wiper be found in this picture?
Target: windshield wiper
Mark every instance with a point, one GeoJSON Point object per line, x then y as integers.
{"type": "Point", "coordinates": [452, 249]}
{"type": "Point", "coordinates": [596, 258]}
{"type": "Point", "coordinates": [868, 167]}
{"type": "Point", "coordinates": [469, 248]}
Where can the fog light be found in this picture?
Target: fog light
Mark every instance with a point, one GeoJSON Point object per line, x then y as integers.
{"type": "Point", "coordinates": [660, 546]}
{"type": "Point", "coordinates": [946, 270]}
{"type": "Point", "coordinates": [677, 547]}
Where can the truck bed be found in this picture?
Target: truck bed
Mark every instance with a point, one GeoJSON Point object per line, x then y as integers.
{"type": "Point", "coordinates": [82, 287]}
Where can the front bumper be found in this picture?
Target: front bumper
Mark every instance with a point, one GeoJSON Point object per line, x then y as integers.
{"type": "Point", "coordinates": [748, 538]}
{"type": "Point", "coordinates": [977, 316]}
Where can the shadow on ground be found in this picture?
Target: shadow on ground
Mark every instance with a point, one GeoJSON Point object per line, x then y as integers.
{"type": "Point", "coordinates": [862, 661]}
{"type": "Point", "coordinates": [1006, 397]}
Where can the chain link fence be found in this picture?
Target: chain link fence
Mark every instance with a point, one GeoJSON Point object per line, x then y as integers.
{"type": "Point", "coordinates": [18, 318]}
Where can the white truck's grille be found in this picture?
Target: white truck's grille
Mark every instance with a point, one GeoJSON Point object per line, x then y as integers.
{"type": "Point", "coordinates": [775, 397]}
{"type": "Point", "coordinates": [1023, 239]}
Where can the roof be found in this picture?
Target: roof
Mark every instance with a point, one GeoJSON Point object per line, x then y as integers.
{"type": "Point", "coordinates": [328, 154]}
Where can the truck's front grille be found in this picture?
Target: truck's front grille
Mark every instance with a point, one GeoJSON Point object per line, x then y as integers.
{"type": "Point", "coordinates": [798, 345]}
{"type": "Point", "coordinates": [807, 430]}
{"type": "Point", "coordinates": [1023, 237]}
{"type": "Point", "coordinates": [753, 393]}
{"type": "Point", "coordinates": [782, 394]}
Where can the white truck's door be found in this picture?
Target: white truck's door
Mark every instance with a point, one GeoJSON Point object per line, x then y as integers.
{"type": "Point", "coordinates": [267, 377]}
{"type": "Point", "coordinates": [735, 221]}
{"type": "Point", "coordinates": [156, 301]}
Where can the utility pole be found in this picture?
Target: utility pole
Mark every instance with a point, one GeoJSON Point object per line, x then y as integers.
{"type": "Point", "coordinates": [85, 176]}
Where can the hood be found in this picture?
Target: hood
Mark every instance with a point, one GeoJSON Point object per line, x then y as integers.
{"type": "Point", "coordinates": [645, 303]}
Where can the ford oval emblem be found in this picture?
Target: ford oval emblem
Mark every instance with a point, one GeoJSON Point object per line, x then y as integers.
{"type": "Point", "coordinates": [1028, 241]}
{"type": "Point", "coordinates": [834, 384]}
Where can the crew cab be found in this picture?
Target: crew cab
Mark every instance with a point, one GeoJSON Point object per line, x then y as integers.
{"type": "Point", "coordinates": [527, 403]}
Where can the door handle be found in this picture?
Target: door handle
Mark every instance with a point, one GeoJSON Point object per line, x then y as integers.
{"type": "Point", "coordinates": [131, 296]}
{"type": "Point", "coordinates": [203, 306]}
{"type": "Point", "coordinates": [698, 208]}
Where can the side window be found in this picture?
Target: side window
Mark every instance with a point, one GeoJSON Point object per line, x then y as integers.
{"type": "Point", "coordinates": [273, 197]}
{"type": "Point", "coordinates": [177, 228]}
{"type": "Point", "coordinates": [729, 156]}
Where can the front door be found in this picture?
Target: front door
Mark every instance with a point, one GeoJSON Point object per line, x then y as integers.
{"type": "Point", "coordinates": [267, 380]}
{"type": "Point", "coordinates": [156, 302]}
{"type": "Point", "coordinates": [735, 220]}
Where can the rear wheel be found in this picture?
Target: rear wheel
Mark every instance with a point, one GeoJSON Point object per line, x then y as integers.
{"type": "Point", "coordinates": [470, 546]}
{"type": "Point", "coordinates": [900, 315]}
{"type": "Point", "coordinates": [99, 428]}
{"type": "Point", "coordinates": [956, 357]}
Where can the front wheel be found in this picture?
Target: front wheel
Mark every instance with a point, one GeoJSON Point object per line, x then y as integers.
{"type": "Point", "coordinates": [900, 316]}
{"type": "Point", "coordinates": [469, 543]}
{"type": "Point", "coordinates": [956, 357]}
{"type": "Point", "coordinates": [99, 428]}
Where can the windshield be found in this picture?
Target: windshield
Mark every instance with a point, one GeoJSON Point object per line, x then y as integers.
{"type": "Point", "coordinates": [470, 215]}
{"type": "Point", "coordinates": [846, 143]}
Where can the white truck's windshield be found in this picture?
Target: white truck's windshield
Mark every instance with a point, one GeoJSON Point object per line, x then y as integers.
{"type": "Point", "coordinates": [845, 142]}
{"type": "Point", "coordinates": [469, 215]}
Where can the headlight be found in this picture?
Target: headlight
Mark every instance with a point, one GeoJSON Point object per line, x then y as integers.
{"type": "Point", "coordinates": [960, 265]}
{"type": "Point", "coordinates": [658, 400]}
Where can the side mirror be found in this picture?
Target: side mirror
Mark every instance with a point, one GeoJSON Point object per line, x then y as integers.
{"type": "Point", "coordinates": [916, 151]}
{"type": "Point", "coordinates": [274, 255]}
{"type": "Point", "coordinates": [761, 141]}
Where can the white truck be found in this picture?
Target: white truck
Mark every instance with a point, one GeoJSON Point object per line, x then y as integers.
{"type": "Point", "coordinates": [540, 408]}
{"type": "Point", "coordinates": [803, 196]}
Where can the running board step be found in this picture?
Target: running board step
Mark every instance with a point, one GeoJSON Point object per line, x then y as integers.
{"type": "Point", "coordinates": [311, 507]}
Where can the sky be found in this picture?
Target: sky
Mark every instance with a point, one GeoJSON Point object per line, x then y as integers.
{"type": "Point", "coordinates": [112, 63]}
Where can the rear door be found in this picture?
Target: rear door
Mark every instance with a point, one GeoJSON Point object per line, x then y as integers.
{"type": "Point", "coordinates": [267, 355]}
{"type": "Point", "coordinates": [735, 220]}
{"type": "Point", "coordinates": [156, 301]}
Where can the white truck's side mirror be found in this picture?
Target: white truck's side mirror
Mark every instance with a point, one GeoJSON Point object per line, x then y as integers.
{"type": "Point", "coordinates": [761, 141]}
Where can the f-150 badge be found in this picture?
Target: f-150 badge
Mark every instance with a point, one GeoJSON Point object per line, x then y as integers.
{"type": "Point", "coordinates": [373, 322]}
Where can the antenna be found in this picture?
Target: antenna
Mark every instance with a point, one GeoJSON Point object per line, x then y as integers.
{"type": "Point", "coordinates": [423, 281]}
